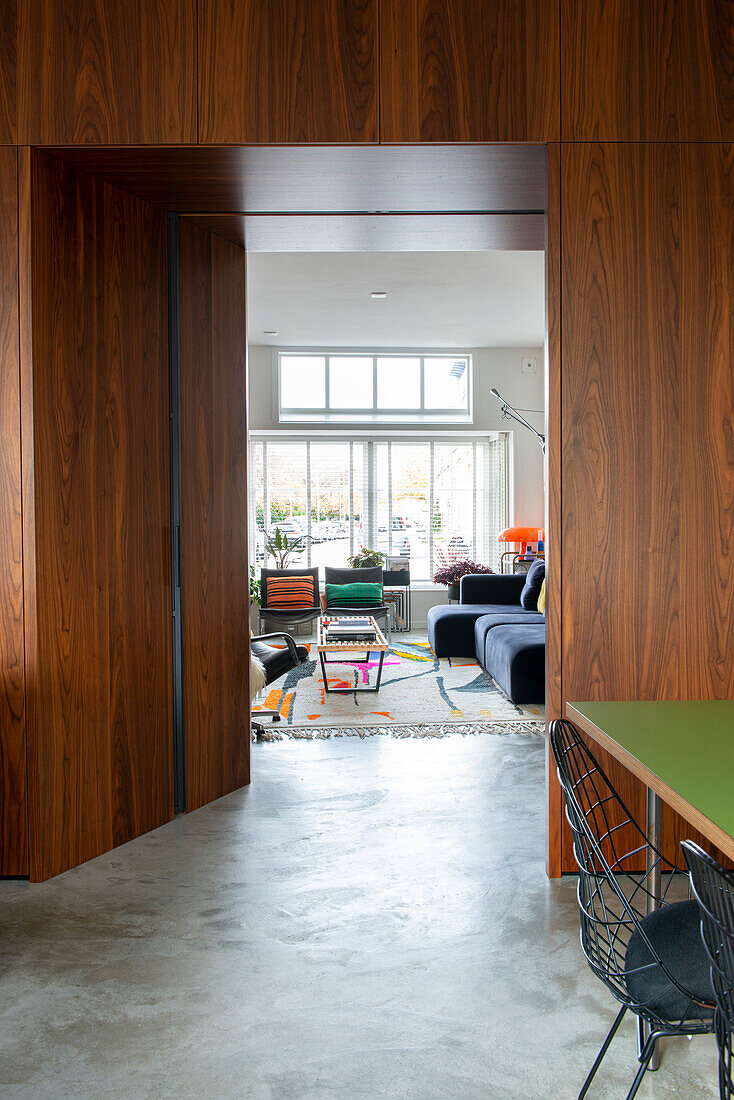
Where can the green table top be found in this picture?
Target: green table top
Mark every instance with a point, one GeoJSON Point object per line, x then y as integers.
{"type": "Point", "coordinates": [685, 750]}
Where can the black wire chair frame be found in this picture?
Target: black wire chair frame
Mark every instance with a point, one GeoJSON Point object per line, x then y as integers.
{"type": "Point", "coordinates": [614, 897]}
{"type": "Point", "coordinates": [713, 889]}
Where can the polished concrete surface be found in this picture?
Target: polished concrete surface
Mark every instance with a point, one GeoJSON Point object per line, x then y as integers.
{"type": "Point", "coordinates": [370, 919]}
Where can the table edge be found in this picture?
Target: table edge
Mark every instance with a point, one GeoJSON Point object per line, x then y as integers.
{"type": "Point", "coordinates": [713, 832]}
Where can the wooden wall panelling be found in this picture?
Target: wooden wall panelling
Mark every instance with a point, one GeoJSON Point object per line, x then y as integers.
{"type": "Point", "coordinates": [104, 72]}
{"type": "Point", "coordinates": [8, 71]}
{"type": "Point", "coordinates": [554, 509]}
{"type": "Point", "coordinates": [215, 582]}
{"type": "Point", "coordinates": [137, 519]}
{"type": "Point", "coordinates": [621, 449]}
{"type": "Point", "coordinates": [102, 736]}
{"type": "Point", "coordinates": [13, 795]}
{"type": "Point", "coordinates": [647, 71]}
{"type": "Point", "coordinates": [288, 71]}
{"type": "Point", "coordinates": [707, 411]}
{"type": "Point", "coordinates": [469, 70]}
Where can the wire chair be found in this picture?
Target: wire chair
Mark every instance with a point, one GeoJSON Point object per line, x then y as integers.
{"type": "Point", "coordinates": [631, 934]}
{"type": "Point", "coordinates": [713, 888]}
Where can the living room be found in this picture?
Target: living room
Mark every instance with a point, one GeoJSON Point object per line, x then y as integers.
{"type": "Point", "coordinates": [391, 452]}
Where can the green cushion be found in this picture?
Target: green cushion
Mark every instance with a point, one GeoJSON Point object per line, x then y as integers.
{"type": "Point", "coordinates": [354, 595]}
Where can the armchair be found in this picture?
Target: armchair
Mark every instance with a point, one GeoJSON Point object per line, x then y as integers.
{"type": "Point", "coordinates": [277, 661]}
{"type": "Point", "coordinates": [370, 575]}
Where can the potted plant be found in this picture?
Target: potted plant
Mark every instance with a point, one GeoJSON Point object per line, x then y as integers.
{"type": "Point", "coordinates": [450, 575]}
{"type": "Point", "coordinates": [280, 547]}
{"type": "Point", "coordinates": [255, 588]}
{"type": "Point", "coordinates": [364, 558]}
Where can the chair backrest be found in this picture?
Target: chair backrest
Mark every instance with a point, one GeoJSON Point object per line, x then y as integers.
{"type": "Point", "coordinates": [609, 847]}
{"type": "Point", "coordinates": [371, 574]}
{"type": "Point", "coordinates": [265, 573]}
{"type": "Point", "coordinates": [713, 888]}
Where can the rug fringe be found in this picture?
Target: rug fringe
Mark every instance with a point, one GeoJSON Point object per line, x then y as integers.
{"type": "Point", "coordinates": [438, 729]}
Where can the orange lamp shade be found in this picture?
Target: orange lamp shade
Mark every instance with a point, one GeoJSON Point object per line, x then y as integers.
{"type": "Point", "coordinates": [523, 535]}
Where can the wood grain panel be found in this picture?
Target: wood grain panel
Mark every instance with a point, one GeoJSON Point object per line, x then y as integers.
{"type": "Point", "coordinates": [215, 584]}
{"type": "Point", "coordinates": [469, 70]}
{"type": "Point", "coordinates": [288, 71]}
{"type": "Point", "coordinates": [647, 71]}
{"type": "Point", "coordinates": [103, 72]}
{"type": "Point", "coordinates": [621, 456]}
{"type": "Point", "coordinates": [103, 731]}
{"type": "Point", "coordinates": [553, 502]}
{"type": "Point", "coordinates": [277, 179]}
{"type": "Point", "coordinates": [707, 411]}
{"type": "Point", "coordinates": [378, 232]}
{"type": "Point", "coordinates": [13, 796]}
{"type": "Point", "coordinates": [8, 72]}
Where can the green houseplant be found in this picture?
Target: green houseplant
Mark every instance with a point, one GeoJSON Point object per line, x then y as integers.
{"type": "Point", "coordinates": [364, 558]}
{"type": "Point", "coordinates": [280, 547]}
{"type": "Point", "coordinates": [255, 588]}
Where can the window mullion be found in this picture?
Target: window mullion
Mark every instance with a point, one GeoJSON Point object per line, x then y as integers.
{"type": "Point", "coordinates": [389, 499]}
{"type": "Point", "coordinates": [370, 529]}
{"type": "Point", "coordinates": [431, 476]}
{"type": "Point", "coordinates": [308, 504]}
{"type": "Point", "coordinates": [266, 501]}
{"type": "Point", "coordinates": [474, 548]}
{"type": "Point", "coordinates": [351, 499]}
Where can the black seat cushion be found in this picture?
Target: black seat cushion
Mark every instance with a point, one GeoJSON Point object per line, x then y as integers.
{"type": "Point", "coordinates": [276, 661]}
{"type": "Point", "coordinates": [675, 933]}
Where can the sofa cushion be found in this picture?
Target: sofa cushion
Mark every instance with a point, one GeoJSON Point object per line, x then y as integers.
{"type": "Point", "coordinates": [514, 655]}
{"type": "Point", "coordinates": [533, 584]}
{"type": "Point", "coordinates": [451, 628]}
{"type": "Point", "coordinates": [510, 616]}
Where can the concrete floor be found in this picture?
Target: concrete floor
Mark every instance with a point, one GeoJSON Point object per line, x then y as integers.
{"type": "Point", "coordinates": [370, 919]}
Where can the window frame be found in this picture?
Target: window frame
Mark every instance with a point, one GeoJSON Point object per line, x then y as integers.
{"type": "Point", "coordinates": [371, 439]}
{"type": "Point", "coordinates": [373, 414]}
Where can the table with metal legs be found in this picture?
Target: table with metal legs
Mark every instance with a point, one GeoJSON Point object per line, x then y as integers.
{"type": "Point", "coordinates": [653, 869]}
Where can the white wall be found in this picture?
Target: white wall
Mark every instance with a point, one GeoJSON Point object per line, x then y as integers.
{"type": "Point", "coordinates": [493, 367]}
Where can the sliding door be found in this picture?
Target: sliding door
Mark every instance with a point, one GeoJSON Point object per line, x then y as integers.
{"type": "Point", "coordinates": [213, 542]}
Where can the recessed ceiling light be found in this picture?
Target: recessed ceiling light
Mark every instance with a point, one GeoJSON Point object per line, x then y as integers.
{"type": "Point", "coordinates": [378, 294]}
{"type": "Point", "coordinates": [270, 332]}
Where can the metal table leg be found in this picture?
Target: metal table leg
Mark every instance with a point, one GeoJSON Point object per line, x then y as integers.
{"type": "Point", "coordinates": [654, 816]}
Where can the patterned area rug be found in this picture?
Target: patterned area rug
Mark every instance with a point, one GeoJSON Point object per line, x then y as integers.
{"type": "Point", "coordinates": [420, 696]}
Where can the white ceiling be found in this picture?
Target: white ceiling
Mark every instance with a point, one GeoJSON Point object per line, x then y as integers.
{"type": "Point", "coordinates": [434, 299]}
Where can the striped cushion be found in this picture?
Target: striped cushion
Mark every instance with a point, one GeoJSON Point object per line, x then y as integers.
{"type": "Point", "coordinates": [285, 592]}
{"type": "Point", "coordinates": [354, 595]}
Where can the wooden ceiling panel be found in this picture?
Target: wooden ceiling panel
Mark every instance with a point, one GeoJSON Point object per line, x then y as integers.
{"type": "Point", "coordinates": [378, 232]}
{"type": "Point", "coordinates": [324, 178]}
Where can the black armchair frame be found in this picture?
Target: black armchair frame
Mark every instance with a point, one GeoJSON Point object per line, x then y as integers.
{"type": "Point", "coordinates": [614, 898]}
{"type": "Point", "coordinates": [295, 660]}
{"type": "Point", "coordinates": [291, 616]}
{"type": "Point", "coordinates": [713, 889]}
{"type": "Point", "coordinates": [371, 574]}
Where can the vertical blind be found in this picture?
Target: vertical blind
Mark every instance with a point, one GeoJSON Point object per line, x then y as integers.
{"type": "Point", "coordinates": [432, 501]}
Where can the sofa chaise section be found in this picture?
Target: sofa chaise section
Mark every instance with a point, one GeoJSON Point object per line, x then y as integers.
{"type": "Point", "coordinates": [451, 628]}
{"type": "Point", "coordinates": [490, 624]}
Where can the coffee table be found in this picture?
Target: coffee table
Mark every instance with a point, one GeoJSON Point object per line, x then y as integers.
{"type": "Point", "coordinates": [348, 649]}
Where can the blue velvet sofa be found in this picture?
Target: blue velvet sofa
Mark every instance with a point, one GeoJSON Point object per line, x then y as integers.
{"type": "Point", "coordinates": [489, 623]}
